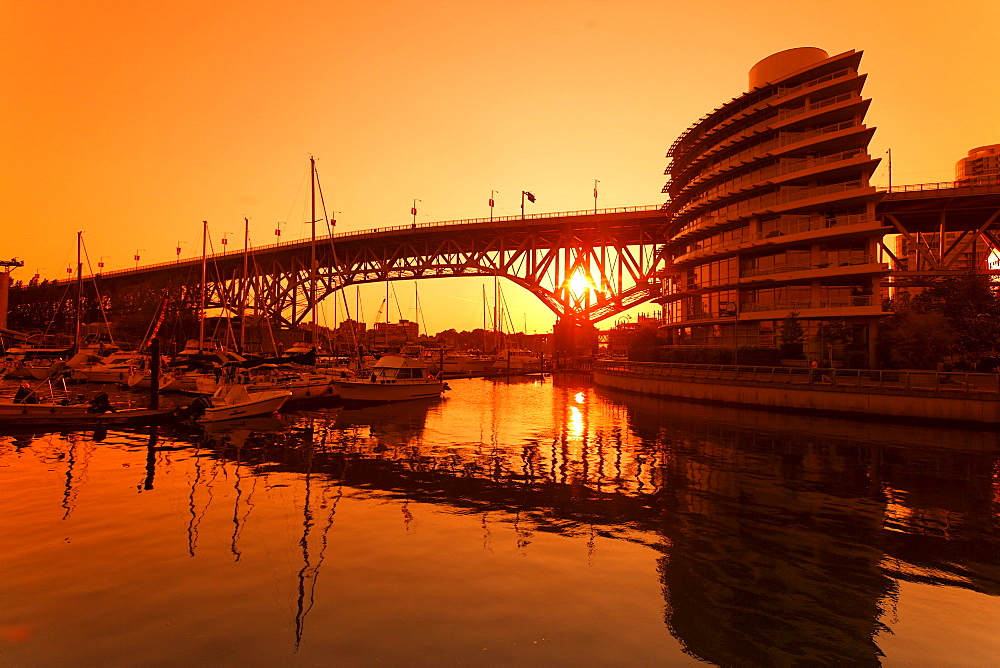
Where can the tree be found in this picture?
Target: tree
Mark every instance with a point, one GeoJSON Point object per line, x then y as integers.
{"type": "Point", "coordinates": [914, 339]}
{"type": "Point", "coordinates": [791, 335]}
{"type": "Point", "coordinates": [970, 305]}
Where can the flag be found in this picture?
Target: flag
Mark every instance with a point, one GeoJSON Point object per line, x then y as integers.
{"type": "Point", "coordinates": [491, 202]}
{"type": "Point", "coordinates": [413, 211]}
{"type": "Point", "coordinates": [531, 198]}
{"type": "Point", "coordinates": [595, 193]}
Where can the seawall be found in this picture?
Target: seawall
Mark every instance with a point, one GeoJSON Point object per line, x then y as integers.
{"type": "Point", "coordinates": [961, 399]}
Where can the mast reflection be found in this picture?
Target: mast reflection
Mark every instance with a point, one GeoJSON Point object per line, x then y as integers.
{"type": "Point", "coordinates": [781, 539]}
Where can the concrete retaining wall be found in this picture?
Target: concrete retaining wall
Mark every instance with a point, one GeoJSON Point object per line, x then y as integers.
{"type": "Point", "coordinates": [962, 408]}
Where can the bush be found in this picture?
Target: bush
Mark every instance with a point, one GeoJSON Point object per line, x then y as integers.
{"type": "Point", "coordinates": [855, 359]}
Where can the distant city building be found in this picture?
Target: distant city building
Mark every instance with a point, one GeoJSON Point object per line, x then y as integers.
{"type": "Point", "coordinates": [772, 210]}
{"type": "Point", "coordinates": [981, 165]}
{"type": "Point", "coordinates": [406, 330]}
{"type": "Point", "coordinates": [349, 327]}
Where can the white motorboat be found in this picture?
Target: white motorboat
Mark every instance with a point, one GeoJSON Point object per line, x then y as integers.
{"type": "Point", "coordinates": [234, 401]}
{"type": "Point", "coordinates": [393, 378]}
{"type": "Point", "coordinates": [35, 363]}
{"type": "Point", "coordinates": [304, 385]}
{"type": "Point", "coordinates": [115, 368]}
{"type": "Point", "coordinates": [517, 361]}
{"type": "Point", "coordinates": [465, 364]}
{"type": "Point", "coordinates": [170, 380]}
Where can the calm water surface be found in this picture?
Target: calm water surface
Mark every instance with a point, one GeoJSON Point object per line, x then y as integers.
{"type": "Point", "coordinates": [540, 522]}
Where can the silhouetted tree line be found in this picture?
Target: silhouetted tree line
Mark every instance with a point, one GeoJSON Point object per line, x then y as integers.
{"type": "Point", "coordinates": [954, 322]}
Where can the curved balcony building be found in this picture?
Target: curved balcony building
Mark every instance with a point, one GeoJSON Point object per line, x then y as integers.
{"type": "Point", "coordinates": [771, 212]}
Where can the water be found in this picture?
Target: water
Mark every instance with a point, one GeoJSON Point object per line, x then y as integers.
{"type": "Point", "coordinates": [522, 523]}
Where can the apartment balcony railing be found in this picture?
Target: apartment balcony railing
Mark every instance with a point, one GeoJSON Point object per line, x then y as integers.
{"type": "Point", "coordinates": [763, 150]}
{"type": "Point", "coordinates": [813, 106]}
{"type": "Point", "coordinates": [786, 166]}
{"type": "Point", "coordinates": [741, 110]}
{"type": "Point", "coordinates": [760, 203]}
{"type": "Point", "coordinates": [778, 269]}
{"type": "Point", "coordinates": [840, 302]}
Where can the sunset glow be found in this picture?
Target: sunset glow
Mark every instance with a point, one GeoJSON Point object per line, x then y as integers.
{"type": "Point", "coordinates": [134, 122]}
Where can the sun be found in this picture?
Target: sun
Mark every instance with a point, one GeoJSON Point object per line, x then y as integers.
{"type": "Point", "coordinates": [579, 283]}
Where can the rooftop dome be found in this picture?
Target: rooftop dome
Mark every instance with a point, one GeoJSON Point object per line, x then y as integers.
{"type": "Point", "coordinates": [781, 64]}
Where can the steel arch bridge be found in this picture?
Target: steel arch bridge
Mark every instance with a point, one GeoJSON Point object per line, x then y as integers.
{"type": "Point", "coordinates": [615, 250]}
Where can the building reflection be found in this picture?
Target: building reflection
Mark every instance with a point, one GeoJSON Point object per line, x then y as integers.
{"type": "Point", "coordinates": [786, 545]}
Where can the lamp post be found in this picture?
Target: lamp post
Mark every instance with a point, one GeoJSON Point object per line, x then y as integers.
{"type": "Point", "coordinates": [277, 233]}
{"type": "Point", "coordinates": [136, 257]}
{"type": "Point", "coordinates": [531, 198]}
{"type": "Point", "coordinates": [492, 195]}
{"type": "Point", "coordinates": [595, 194]}
{"type": "Point", "coordinates": [100, 261]}
{"type": "Point", "coordinates": [177, 249]}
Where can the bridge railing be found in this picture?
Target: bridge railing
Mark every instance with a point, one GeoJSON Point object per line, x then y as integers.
{"type": "Point", "coordinates": [391, 229]}
{"type": "Point", "coordinates": [990, 184]}
{"type": "Point", "coordinates": [945, 383]}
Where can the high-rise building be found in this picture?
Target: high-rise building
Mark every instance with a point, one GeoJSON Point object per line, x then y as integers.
{"type": "Point", "coordinates": [982, 165]}
{"type": "Point", "coordinates": [772, 211]}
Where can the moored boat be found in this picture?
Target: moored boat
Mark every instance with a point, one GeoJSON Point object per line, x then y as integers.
{"type": "Point", "coordinates": [234, 401]}
{"type": "Point", "coordinates": [55, 408]}
{"type": "Point", "coordinates": [393, 378]}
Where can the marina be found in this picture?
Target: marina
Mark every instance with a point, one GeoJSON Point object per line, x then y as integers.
{"type": "Point", "coordinates": [596, 525]}
{"type": "Point", "coordinates": [613, 334]}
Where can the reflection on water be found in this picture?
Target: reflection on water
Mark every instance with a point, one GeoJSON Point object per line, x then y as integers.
{"type": "Point", "coordinates": [532, 522]}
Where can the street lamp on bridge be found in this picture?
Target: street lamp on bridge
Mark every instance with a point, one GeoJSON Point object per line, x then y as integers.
{"type": "Point", "coordinates": [100, 261]}
{"type": "Point", "coordinates": [178, 250]}
{"type": "Point", "coordinates": [136, 257]}
{"type": "Point", "coordinates": [413, 211]}
{"type": "Point", "coordinates": [531, 198]}
{"type": "Point", "coordinates": [277, 233]}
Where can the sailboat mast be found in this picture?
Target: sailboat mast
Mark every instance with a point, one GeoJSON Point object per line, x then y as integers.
{"type": "Point", "coordinates": [204, 274]}
{"type": "Point", "coordinates": [244, 287]}
{"type": "Point", "coordinates": [312, 249]}
{"type": "Point", "coordinates": [79, 291]}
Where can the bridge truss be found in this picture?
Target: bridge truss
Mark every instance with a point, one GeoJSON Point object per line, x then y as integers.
{"type": "Point", "coordinates": [613, 253]}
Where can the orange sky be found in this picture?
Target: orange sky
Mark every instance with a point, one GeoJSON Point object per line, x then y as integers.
{"type": "Point", "coordinates": [134, 121]}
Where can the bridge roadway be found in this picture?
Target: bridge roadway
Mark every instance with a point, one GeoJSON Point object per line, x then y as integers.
{"type": "Point", "coordinates": [616, 248]}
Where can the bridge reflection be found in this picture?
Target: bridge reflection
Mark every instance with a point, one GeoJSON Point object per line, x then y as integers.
{"type": "Point", "coordinates": [783, 538]}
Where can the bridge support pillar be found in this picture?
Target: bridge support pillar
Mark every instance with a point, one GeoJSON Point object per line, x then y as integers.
{"type": "Point", "coordinates": [4, 288]}
{"type": "Point", "coordinates": [574, 338]}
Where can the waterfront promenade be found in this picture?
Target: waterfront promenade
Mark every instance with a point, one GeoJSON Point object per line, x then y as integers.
{"type": "Point", "coordinates": [959, 397]}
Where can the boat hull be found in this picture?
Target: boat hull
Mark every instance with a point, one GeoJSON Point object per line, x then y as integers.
{"type": "Point", "coordinates": [56, 416]}
{"type": "Point", "coordinates": [381, 392]}
{"type": "Point", "coordinates": [261, 403]}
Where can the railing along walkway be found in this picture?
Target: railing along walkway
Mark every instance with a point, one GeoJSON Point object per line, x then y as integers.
{"type": "Point", "coordinates": [946, 383]}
